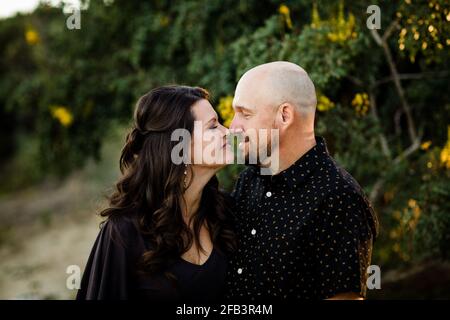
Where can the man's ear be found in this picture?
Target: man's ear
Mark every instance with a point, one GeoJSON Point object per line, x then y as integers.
{"type": "Point", "coordinates": [285, 116]}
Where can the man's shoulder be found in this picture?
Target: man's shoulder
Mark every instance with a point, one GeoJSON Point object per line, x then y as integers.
{"type": "Point", "coordinates": [346, 199]}
{"type": "Point", "coordinates": [340, 181]}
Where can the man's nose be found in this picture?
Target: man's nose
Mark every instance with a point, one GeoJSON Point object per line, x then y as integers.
{"type": "Point", "coordinates": [234, 123]}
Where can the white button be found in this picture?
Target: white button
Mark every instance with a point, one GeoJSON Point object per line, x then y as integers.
{"type": "Point", "coordinates": [239, 270]}
{"type": "Point", "coordinates": [253, 231]}
{"type": "Point", "coordinates": [269, 194]}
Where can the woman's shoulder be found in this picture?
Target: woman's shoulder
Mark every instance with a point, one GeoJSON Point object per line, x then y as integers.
{"type": "Point", "coordinates": [112, 260]}
{"type": "Point", "coordinates": [123, 230]}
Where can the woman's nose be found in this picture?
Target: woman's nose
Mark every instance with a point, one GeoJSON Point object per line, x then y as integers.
{"type": "Point", "coordinates": [225, 131]}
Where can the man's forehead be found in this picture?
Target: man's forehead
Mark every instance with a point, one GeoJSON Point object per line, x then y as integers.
{"type": "Point", "coordinates": [252, 97]}
{"type": "Point", "coordinates": [243, 101]}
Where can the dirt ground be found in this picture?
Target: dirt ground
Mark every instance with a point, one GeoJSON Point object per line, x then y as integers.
{"type": "Point", "coordinates": [47, 237]}
{"type": "Point", "coordinates": [50, 226]}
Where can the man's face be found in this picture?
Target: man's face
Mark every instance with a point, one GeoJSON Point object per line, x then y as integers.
{"type": "Point", "coordinates": [252, 113]}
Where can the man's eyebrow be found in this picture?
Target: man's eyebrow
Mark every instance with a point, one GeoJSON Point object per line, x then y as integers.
{"type": "Point", "coordinates": [243, 108]}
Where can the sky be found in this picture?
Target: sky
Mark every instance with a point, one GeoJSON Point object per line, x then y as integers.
{"type": "Point", "coordinates": [9, 8]}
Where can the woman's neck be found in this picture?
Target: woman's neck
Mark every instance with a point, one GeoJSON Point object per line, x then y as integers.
{"type": "Point", "coordinates": [193, 194]}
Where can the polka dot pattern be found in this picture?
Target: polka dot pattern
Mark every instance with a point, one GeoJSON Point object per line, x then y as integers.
{"type": "Point", "coordinates": [305, 233]}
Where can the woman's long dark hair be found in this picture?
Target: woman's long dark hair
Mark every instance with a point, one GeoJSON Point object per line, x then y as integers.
{"type": "Point", "coordinates": [151, 187]}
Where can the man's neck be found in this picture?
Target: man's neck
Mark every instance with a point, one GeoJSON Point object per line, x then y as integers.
{"type": "Point", "coordinates": [289, 153]}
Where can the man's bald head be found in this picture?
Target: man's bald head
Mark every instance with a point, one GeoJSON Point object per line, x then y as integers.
{"type": "Point", "coordinates": [277, 97]}
{"type": "Point", "coordinates": [275, 83]}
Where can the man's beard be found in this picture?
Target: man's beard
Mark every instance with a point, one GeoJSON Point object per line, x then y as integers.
{"type": "Point", "coordinates": [267, 151]}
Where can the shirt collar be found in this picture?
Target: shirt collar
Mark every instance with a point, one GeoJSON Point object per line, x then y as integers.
{"type": "Point", "coordinates": [301, 168]}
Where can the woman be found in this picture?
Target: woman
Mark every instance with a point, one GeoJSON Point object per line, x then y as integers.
{"type": "Point", "coordinates": [167, 232]}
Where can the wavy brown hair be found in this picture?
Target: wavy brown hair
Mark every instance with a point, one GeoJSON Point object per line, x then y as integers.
{"type": "Point", "coordinates": [151, 187]}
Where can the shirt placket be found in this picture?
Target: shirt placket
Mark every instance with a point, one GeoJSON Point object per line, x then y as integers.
{"type": "Point", "coordinates": [264, 205]}
{"type": "Point", "coordinates": [253, 229]}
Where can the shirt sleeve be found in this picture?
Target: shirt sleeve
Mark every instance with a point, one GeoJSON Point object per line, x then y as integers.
{"type": "Point", "coordinates": [107, 272]}
{"type": "Point", "coordinates": [344, 245]}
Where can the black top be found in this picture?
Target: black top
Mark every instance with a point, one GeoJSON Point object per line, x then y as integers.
{"type": "Point", "coordinates": [111, 270]}
{"type": "Point", "coordinates": [305, 233]}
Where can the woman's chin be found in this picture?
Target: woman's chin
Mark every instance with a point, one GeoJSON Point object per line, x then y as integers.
{"type": "Point", "coordinates": [226, 157]}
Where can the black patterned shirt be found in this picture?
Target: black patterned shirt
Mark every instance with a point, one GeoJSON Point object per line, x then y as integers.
{"type": "Point", "coordinates": [305, 233]}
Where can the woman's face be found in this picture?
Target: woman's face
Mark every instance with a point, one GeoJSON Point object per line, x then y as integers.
{"type": "Point", "coordinates": [209, 144]}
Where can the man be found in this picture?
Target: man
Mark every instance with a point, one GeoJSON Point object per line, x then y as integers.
{"type": "Point", "coordinates": [305, 231]}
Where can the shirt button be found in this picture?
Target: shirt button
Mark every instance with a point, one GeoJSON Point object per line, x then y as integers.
{"type": "Point", "coordinates": [253, 231]}
{"type": "Point", "coordinates": [239, 271]}
{"type": "Point", "coordinates": [269, 194]}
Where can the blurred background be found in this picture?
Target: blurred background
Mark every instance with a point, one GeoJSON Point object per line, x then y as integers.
{"type": "Point", "coordinates": [67, 96]}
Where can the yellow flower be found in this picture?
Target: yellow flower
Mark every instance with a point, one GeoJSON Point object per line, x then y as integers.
{"type": "Point", "coordinates": [393, 234]}
{"type": "Point", "coordinates": [283, 9]}
{"type": "Point", "coordinates": [342, 29]}
{"type": "Point", "coordinates": [361, 103]}
{"type": "Point", "coordinates": [445, 153]}
{"type": "Point", "coordinates": [426, 145]}
{"type": "Point", "coordinates": [32, 37]}
{"type": "Point", "coordinates": [416, 212]}
{"type": "Point", "coordinates": [315, 17]}
{"type": "Point", "coordinates": [225, 109]}
{"type": "Point", "coordinates": [164, 21]}
{"type": "Point", "coordinates": [396, 247]}
{"type": "Point", "coordinates": [285, 12]}
{"type": "Point", "coordinates": [324, 104]}
{"type": "Point", "coordinates": [62, 114]}
{"type": "Point", "coordinates": [412, 203]}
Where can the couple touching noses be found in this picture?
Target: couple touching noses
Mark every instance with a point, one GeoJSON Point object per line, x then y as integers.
{"type": "Point", "coordinates": [302, 230]}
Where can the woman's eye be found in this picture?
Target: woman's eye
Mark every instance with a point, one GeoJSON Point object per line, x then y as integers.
{"type": "Point", "coordinates": [214, 127]}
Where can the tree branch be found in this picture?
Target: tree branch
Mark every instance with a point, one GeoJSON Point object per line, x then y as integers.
{"type": "Point", "coordinates": [412, 76]}
{"type": "Point", "coordinates": [394, 25]}
{"type": "Point", "coordinates": [355, 81]}
{"type": "Point", "coordinates": [395, 75]}
{"type": "Point", "coordinates": [381, 136]}
{"type": "Point", "coordinates": [406, 153]}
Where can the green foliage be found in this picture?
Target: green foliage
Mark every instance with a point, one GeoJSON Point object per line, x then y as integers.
{"type": "Point", "coordinates": [65, 89]}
